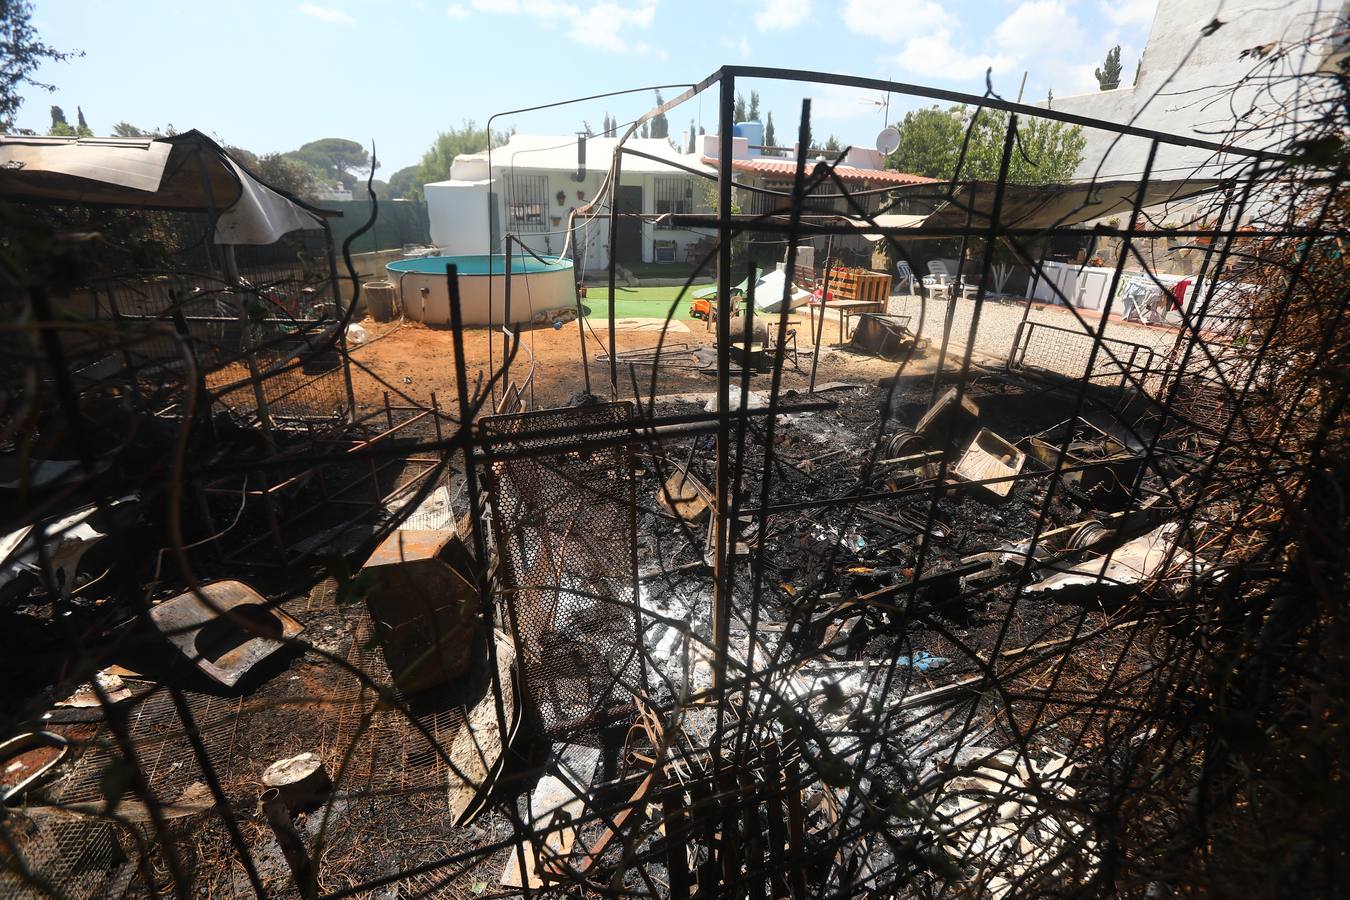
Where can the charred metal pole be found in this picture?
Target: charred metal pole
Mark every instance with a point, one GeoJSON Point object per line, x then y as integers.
{"type": "Point", "coordinates": [476, 524]}
{"type": "Point", "coordinates": [340, 316]}
{"type": "Point", "coordinates": [506, 319]}
{"type": "Point", "coordinates": [953, 294]}
{"type": "Point", "coordinates": [613, 271]}
{"type": "Point", "coordinates": [721, 606]}
{"type": "Point", "coordinates": [824, 299]}
{"type": "Point", "coordinates": [579, 276]}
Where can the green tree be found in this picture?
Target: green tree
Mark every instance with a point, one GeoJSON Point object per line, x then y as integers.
{"type": "Point", "coordinates": [770, 139]}
{"type": "Point", "coordinates": [402, 182]}
{"type": "Point", "coordinates": [753, 111]}
{"type": "Point", "coordinates": [931, 140]}
{"type": "Point", "coordinates": [82, 125]}
{"type": "Point", "coordinates": [832, 144]}
{"type": "Point", "coordinates": [279, 170]}
{"type": "Point", "coordinates": [337, 158]}
{"type": "Point", "coordinates": [1108, 76]}
{"type": "Point", "coordinates": [738, 114]}
{"type": "Point", "coordinates": [645, 132]}
{"type": "Point", "coordinates": [660, 127]}
{"type": "Point", "coordinates": [62, 128]}
{"type": "Point", "coordinates": [22, 52]}
{"type": "Point", "coordinates": [691, 146]}
{"type": "Point", "coordinates": [435, 164]}
{"type": "Point", "coordinates": [126, 129]}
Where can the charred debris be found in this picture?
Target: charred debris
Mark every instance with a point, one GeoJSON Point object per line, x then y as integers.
{"type": "Point", "coordinates": [967, 629]}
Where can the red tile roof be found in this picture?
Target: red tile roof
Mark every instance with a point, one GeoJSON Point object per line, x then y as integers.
{"type": "Point", "coordinates": [786, 168]}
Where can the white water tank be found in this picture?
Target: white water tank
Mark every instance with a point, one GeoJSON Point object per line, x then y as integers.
{"type": "Point", "coordinates": [458, 212]}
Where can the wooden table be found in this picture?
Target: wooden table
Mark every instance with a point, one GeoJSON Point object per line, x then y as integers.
{"type": "Point", "coordinates": [847, 310]}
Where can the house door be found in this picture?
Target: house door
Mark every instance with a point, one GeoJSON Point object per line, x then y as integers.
{"type": "Point", "coordinates": [628, 233]}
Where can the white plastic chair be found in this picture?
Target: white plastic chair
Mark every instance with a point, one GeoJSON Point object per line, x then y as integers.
{"type": "Point", "coordinates": [904, 275]}
{"type": "Point", "coordinates": [938, 279]}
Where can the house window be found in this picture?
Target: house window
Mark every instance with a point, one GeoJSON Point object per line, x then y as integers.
{"type": "Point", "coordinates": [526, 203]}
{"type": "Point", "coordinates": [673, 195]}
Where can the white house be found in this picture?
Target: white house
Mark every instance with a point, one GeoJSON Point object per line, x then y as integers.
{"type": "Point", "coordinates": [1193, 82]}
{"type": "Point", "coordinates": [535, 182]}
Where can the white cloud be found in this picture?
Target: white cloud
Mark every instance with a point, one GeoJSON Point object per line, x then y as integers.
{"type": "Point", "coordinates": [739, 46]}
{"type": "Point", "coordinates": [1126, 13]}
{"type": "Point", "coordinates": [1038, 27]}
{"type": "Point", "coordinates": [324, 14]}
{"type": "Point", "coordinates": [598, 24]}
{"type": "Point", "coordinates": [601, 24]}
{"type": "Point", "coordinates": [456, 11]}
{"type": "Point", "coordinates": [895, 20]}
{"type": "Point", "coordinates": [782, 15]}
{"type": "Point", "coordinates": [934, 56]}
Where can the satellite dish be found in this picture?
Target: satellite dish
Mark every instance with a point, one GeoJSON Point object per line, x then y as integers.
{"type": "Point", "coordinates": [888, 141]}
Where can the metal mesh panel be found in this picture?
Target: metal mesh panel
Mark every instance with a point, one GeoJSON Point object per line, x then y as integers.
{"type": "Point", "coordinates": [566, 533]}
{"type": "Point", "coordinates": [1070, 353]}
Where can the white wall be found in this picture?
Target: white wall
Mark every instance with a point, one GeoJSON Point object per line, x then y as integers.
{"type": "Point", "coordinates": [458, 211]}
{"type": "Point", "coordinates": [1186, 83]}
{"type": "Point", "coordinates": [593, 234]}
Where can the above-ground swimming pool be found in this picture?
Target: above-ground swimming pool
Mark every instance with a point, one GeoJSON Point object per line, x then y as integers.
{"type": "Point", "coordinates": [535, 287]}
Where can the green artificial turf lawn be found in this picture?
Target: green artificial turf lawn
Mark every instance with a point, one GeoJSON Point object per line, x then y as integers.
{"type": "Point", "coordinates": [642, 302]}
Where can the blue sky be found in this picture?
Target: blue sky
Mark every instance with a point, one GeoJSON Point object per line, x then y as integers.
{"type": "Point", "coordinates": [272, 75]}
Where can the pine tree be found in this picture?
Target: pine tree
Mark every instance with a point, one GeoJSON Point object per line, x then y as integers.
{"type": "Point", "coordinates": [1108, 76]}
{"type": "Point", "coordinates": [691, 137]}
{"type": "Point", "coordinates": [738, 115]}
{"type": "Point", "coordinates": [754, 107]}
{"type": "Point", "coordinates": [660, 127]}
{"type": "Point", "coordinates": [770, 139]}
{"type": "Point", "coordinates": [645, 132]}
{"type": "Point", "coordinates": [58, 117]}
{"type": "Point", "coordinates": [81, 125]}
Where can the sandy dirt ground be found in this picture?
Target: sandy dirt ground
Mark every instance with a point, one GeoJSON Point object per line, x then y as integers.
{"type": "Point", "coordinates": [410, 361]}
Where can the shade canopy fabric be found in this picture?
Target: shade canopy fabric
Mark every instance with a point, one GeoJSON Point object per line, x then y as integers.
{"type": "Point", "coordinates": [186, 172]}
{"type": "Point", "coordinates": [1032, 207]}
{"type": "Point", "coordinates": [1044, 206]}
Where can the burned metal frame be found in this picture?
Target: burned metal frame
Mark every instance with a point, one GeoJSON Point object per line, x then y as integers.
{"type": "Point", "coordinates": [1029, 687]}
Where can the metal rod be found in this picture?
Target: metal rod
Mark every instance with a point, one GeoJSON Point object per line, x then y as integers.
{"type": "Point", "coordinates": [820, 329]}
{"type": "Point", "coordinates": [721, 602]}
{"type": "Point", "coordinates": [579, 277]}
{"type": "Point", "coordinates": [613, 271]}
{"type": "Point", "coordinates": [506, 318]}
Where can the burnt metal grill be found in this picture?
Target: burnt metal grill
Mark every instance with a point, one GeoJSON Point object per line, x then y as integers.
{"type": "Point", "coordinates": [566, 531]}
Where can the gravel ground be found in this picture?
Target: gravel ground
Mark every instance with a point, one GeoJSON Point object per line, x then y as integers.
{"type": "Point", "coordinates": [1063, 353]}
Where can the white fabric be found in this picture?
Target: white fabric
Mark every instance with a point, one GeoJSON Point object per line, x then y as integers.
{"type": "Point", "coordinates": [134, 164]}
{"type": "Point", "coordinates": [261, 216]}
{"type": "Point", "coordinates": [769, 293]}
